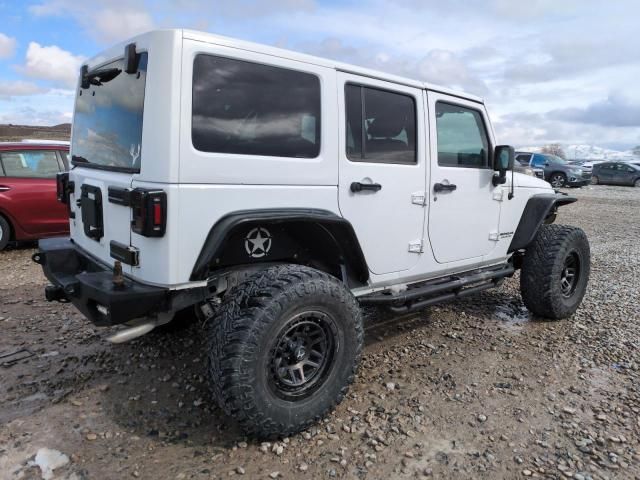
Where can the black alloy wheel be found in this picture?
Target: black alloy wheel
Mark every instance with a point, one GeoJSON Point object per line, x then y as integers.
{"type": "Point", "coordinates": [570, 274]}
{"type": "Point", "coordinates": [302, 355]}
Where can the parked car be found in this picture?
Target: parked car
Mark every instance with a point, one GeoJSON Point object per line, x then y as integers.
{"type": "Point", "coordinates": [586, 165]}
{"type": "Point", "coordinates": [616, 173]}
{"type": "Point", "coordinates": [29, 209]}
{"type": "Point", "coordinates": [557, 171]}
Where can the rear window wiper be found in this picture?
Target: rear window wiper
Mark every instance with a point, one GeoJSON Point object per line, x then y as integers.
{"type": "Point", "coordinates": [79, 159]}
{"type": "Point", "coordinates": [98, 77]}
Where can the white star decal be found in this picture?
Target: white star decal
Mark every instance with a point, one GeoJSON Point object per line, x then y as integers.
{"type": "Point", "coordinates": [257, 243]}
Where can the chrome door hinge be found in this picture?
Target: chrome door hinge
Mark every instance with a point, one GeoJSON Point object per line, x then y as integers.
{"type": "Point", "coordinates": [498, 195]}
{"type": "Point", "coordinates": [416, 246]}
{"type": "Point", "coordinates": [494, 236]}
{"type": "Point", "coordinates": [419, 198]}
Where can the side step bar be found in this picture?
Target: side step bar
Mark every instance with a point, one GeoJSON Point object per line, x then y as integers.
{"type": "Point", "coordinates": [455, 287]}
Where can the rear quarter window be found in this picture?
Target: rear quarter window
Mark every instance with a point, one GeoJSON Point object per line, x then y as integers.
{"type": "Point", "coordinates": [247, 108]}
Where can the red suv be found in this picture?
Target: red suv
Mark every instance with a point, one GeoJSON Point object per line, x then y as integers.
{"type": "Point", "coordinates": [29, 209]}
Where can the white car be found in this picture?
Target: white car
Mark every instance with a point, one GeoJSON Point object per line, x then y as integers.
{"type": "Point", "coordinates": [276, 193]}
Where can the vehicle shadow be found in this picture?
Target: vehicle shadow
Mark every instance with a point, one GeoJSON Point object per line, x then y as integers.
{"type": "Point", "coordinates": [19, 246]}
{"type": "Point", "coordinates": [159, 384]}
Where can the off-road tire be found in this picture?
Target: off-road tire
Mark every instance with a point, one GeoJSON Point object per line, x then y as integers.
{"type": "Point", "coordinates": [543, 269]}
{"type": "Point", "coordinates": [241, 337]}
{"type": "Point", "coordinates": [5, 232]}
{"type": "Point", "coordinates": [595, 180]}
{"type": "Point", "coordinates": [562, 179]}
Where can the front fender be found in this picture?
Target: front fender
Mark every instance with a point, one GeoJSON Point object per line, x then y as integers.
{"type": "Point", "coordinates": [538, 208]}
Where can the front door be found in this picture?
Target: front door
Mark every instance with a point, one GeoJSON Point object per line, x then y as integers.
{"type": "Point", "coordinates": [382, 169]}
{"type": "Point", "coordinates": [463, 214]}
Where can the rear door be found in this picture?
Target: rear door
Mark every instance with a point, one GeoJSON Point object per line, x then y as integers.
{"type": "Point", "coordinates": [463, 213]}
{"type": "Point", "coordinates": [606, 173]}
{"type": "Point", "coordinates": [29, 191]}
{"type": "Point", "coordinates": [624, 174]}
{"type": "Point", "coordinates": [382, 169]}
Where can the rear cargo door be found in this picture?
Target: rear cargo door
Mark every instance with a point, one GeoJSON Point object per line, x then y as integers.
{"type": "Point", "coordinates": [106, 155]}
{"type": "Point", "coordinates": [98, 222]}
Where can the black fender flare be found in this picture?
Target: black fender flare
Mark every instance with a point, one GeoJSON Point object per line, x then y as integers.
{"type": "Point", "coordinates": [336, 228]}
{"type": "Point", "coordinates": [538, 208]}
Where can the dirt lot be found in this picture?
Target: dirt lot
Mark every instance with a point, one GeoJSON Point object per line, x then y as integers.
{"type": "Point", "coordinates": [478, 389]}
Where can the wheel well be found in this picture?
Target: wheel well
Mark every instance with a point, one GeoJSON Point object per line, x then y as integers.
{"type": "Point", "coordinates": [556, 172]}
{"type": "Point", "coordinates": [539, 208]}
{"type": "Point", "coordinates": [315, 238]}
{"type": "Point", "coordinates": [11, 227]}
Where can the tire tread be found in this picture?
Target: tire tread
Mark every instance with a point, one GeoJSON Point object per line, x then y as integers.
{"type": "Point", "coordinates": [235, 330]}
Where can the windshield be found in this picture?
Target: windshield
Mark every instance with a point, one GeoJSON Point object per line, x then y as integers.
{"type": "Point", "coordinates": [107, 123]}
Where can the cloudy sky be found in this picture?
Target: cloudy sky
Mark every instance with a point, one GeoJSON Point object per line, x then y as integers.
{"type": "Point", "coordinates": [563, 71]}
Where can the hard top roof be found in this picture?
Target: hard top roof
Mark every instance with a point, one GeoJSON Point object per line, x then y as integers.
{"type": "Point", "coordinates": [344, 67]}
{"type": "Point", "coordinates": [35, 145]}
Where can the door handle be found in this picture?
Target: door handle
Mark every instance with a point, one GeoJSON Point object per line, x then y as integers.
{"type": "Point", "coordinates": [4, 188]}
{"type": "Point", "coordinates": [359, 187]}
{"type": "Point", "coordinates": [444, 187]}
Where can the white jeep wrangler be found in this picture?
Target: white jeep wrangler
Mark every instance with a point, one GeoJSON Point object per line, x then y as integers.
{"type": "Point", "coordinates": [275, 193]}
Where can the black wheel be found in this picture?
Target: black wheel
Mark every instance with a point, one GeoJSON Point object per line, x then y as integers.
{"type": "Point", "coordinates": [558, 180]}
{"type": "Point", "coordinates": [5, 232]}
{"type": "Point", "coordinates": [555, 271]}
{"type": "Point", "coordinates": [637, 183]}
{"type": "Point", "coordinates": [283, 348]}
{"type": "Point", "coordinates": [594, 180]}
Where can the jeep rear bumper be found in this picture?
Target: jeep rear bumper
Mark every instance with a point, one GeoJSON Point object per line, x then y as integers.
{"type": "Point", "coordinates": [88, 284]}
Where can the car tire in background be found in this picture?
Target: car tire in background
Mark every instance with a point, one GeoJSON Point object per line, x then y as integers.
{"type": "Point", "coordinates": [637, 183]}
{"type": "Point", "coordinates": [594, 180]}
{"type": "Point", "coordinates": [5, 232]}
{"type": "Point", "coordinates": [555, 271]}
{"type": "Point", "coordinates": [558, 180]}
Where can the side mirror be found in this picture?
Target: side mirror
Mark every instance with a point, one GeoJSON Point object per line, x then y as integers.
{"type": "Point", "coordinates": [503, 157]}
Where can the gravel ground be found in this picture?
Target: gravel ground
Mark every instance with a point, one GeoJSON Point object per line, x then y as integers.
{"type": "Point", "coordinates": [477, 389]}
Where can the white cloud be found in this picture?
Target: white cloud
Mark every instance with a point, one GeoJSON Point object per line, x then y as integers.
{"type": "Point", "coordinates": [114, 25]}
{"type": "Point", "coordinates": [107, 21]}
{"type": "Point", "coordinates": [7, 46]}
{"type": "Point", "coordinates": [51, 63]}
{"type": "Point", "coordinates": [19, 88]}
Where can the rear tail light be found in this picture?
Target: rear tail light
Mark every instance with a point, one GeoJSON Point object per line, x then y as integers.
{"type": "Point", "coordinates": [149, 212]}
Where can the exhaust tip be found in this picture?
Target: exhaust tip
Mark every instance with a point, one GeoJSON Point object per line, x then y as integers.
{"type": "Point", "coordinates": [131, 333]}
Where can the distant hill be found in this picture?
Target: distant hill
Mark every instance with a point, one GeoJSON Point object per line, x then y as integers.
{"type": "Point", "coordinates": [12, 133]}
{"type": "Point", "coordinates": [588, 152]}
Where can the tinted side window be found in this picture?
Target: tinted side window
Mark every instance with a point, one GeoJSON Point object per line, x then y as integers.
{"type": "Point", "coordinates": [462, 137]}
{"type": "Point", "coordinates": [524, 158]}
{"type": "Point", "coordinates": [382, 122]}
{"type": "Point", "coordinates": [30, 164]}
{"type": "Point", "coordinates": [252, 109]}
